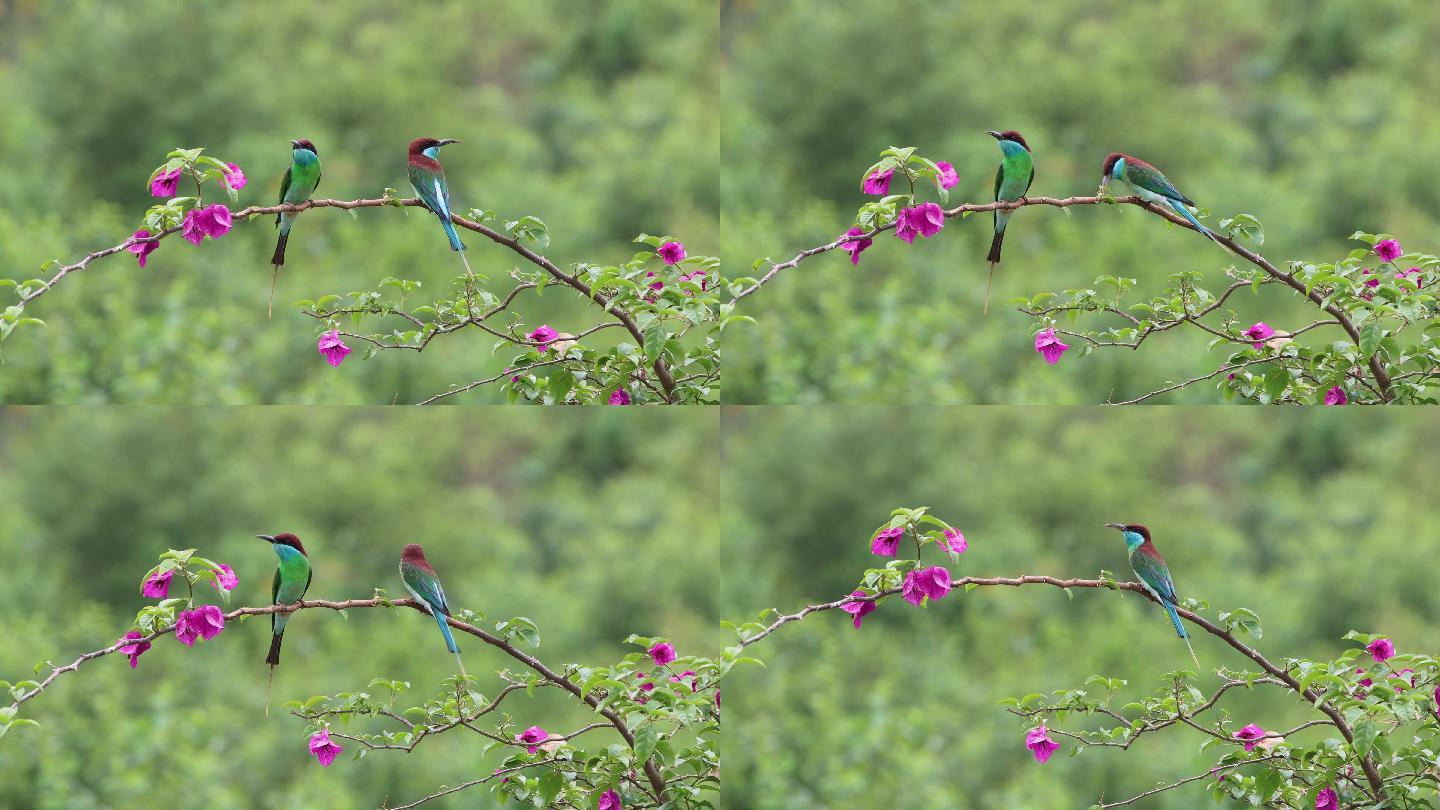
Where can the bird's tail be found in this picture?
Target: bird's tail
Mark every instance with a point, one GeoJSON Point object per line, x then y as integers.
{"type": "Point", "coordinates": [273, 659]}
{"type": "Point", "coordinates": [1184, 211]}
{"type": "Point", "coordinates": [275, 262]}
{"type": "Point", "coordinates": [1180, 631]}
{"type": "Point", "coordinates": [268, 680]}
{"type": "Point", "coordinates": [994, 257]}
{"type": "Point", "coordinates": [279, 258]}
{"type": "Point", "coordinates": [445, 630]}
{"type": "Point", "coordinates": [455, 243]}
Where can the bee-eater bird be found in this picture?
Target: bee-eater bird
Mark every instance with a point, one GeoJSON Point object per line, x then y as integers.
{"type": "Point", "coordinates": [292, 580]}
{"type": "Point", "coordinates": [424, 585]}
{"type": "Point", "coordinates": [1154, 575]}
{"type": "Point", "coordinates": [1012, 180]}
{"type": "Point", "coordinates": [300, 181]}
{"type": "Point", "coordinates": [1150, 185]}
{"type": "Point", "coordinates": [428, 180]}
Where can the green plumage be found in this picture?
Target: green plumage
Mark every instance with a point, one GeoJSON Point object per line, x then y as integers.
{"type": "Point", "coordinates": [1012, 181]}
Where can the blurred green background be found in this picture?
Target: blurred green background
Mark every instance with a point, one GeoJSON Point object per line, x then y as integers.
{"type": "Point", "coordinates": [1314, 520]}
{"type": "Point", "coordinates": [598, 117]}
{"type": "Point", "coordinates": [1317, 117]}
{"type": "Point", "coordinates": [594, 524]}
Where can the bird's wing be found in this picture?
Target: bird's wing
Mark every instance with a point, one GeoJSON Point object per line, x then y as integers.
{"type": "Point", "coordinates": [275, 584]}
{"type": "Point", "coordinates": [999, 178]}
{"type": "Point", "coordinates": [427, 586]}
{"type": "Point", "coordinates": [1029, 181]}
{"type": "Point", "coordinates": [429, 188]}
{"type": "Point", "coordinates": [309, 577]}
{"type": "Point", "coordinates": [284, 187]}
{"type": "Point", "coordinates": [1149, 178]}
{"type": "Point", "coordinates": [1155, 574]}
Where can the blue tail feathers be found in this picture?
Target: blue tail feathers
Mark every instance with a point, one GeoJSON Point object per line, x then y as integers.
{"type": "Point", "coordinates": [449, 639]}
{"type": "Point", "coordinates": [1182, 210]}
{"type": "Point", "coordinates": [455, 243]}
{"type": "Point", "coordinates": [1175, 620]}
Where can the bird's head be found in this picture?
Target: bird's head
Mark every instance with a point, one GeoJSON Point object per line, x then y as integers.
{"type": "Point", "coordinates": [1113, 167]}
{"type": "Point", "coordinates": [304, 143]}
{"type": "Point", "coordinates": [283, 539]}
{"type": "Point", "coordinates": [413, 552]}
{"type": "Point", "coordinates": [1009, 136]}
{"type": "Point", "coordinates": [1135, 534]}
{"type": "Point", "coordinates": [429, 147]}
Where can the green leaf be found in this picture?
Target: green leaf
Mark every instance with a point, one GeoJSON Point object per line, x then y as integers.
{"type": "Point", "coordinates": [550, 784]}
{"type": "Point", "coordinates": [654, 341]}
{"type": "Point", "coordinates": [1365, 733]}
{"type": "Point", "coordinates": [645, 740]}
{"type": "Point", "coordinates": [1370, 338]}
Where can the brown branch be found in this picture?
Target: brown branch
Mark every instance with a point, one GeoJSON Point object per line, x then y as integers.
{"type": "Point", "coordinates": [1289, 681]}
{"type": "Point", "coordinates": [657, 780]}
{"type": "Point", "coordinates": [667, 381]}
{"type": "Point", "coordinates": [1377, 368]}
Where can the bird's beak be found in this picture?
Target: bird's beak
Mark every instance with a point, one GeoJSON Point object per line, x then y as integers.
{"type": "Point", "coordinates": [1120, 526]}
{"type": "Point", "coordinates": [267, 538]}
{"type": "Point", "coordinates": [1104, 180]}
{"type": "Point", "coordinates": [447, 141]}
{"type": "Point", "coordinates": [992, 133]}
{"type": "Point", "coordinates": [295, 144]}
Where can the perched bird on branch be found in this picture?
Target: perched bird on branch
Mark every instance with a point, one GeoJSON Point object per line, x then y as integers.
{"type": "Point", "coordinates": [1153, 574]}
{"type": "Point", "coordinates": [1012, 180]}
{"type": "Point", "coordinates": [1150, 185]}
{"type": "Point", "coordinates": [292, 580]}
{"type": "Point", "coordinates": [300, 181]}
{"type": "Point", "coordinates": [424, 585]}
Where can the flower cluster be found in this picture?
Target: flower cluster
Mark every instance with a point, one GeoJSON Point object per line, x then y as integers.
{"type": "Point", "coordinates": [915, 582]}
{"type": "Point", "coordinates": [913, 218]}
{"type": "Point", "coordinates": [195, 220]}
{"type": "Point", "coordinates": [193, 623]}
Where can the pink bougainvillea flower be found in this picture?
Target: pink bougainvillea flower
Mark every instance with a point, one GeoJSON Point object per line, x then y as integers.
{"type": "Point", "coordinates": [1336, 396]}
{"type": "Point", "coordinates": [935, 581]}
{"type": "Point", "coordinates": [165, 183]}
{"type": "Point", "coordinates": [157, 585]}
{"type": "Point", "coordinates": [1437, 699]}
{"type": "Point", "coordinates": [619, 397]}
{"type": "Point", "coordinates": [1038, 741]}
{"type": "Point", "coordinates": [658, 285]}
{"type": "Point", "coordinates": [672, 252]}
{"type": "Point", "coordinates": [535, 735]}
{"type": "Point", "coordinates": [877, 182]}
{"type": "Point", "coordinates": [910, 589]}
{"type": "Point", "coordinates": [1251, 734]}
{"type": "Point", "coordinates": [681, 679]}
{"type": "Point", "coordinates": [948, 177]}
{"type": "Point", "coordinates": [1049, 346]}
{"type": "Point", "coordinates": [924, 220]}
{"type": "Point", "coordinates": [1381, 649]}
{"type": "Point", "coordinates": [662, 653]}
{"type": "Point", "coordinates": [324, 749]}
{"type": "Point", "coordinates": [333, 348]}
{"type": "Point", "coordinates": [134, 650]}
{"type": "Point", "coordinates": [1259, 332]}
{"type": "Point", "coordinates": [954, 541]}
{"type": "Point", "coordinates": [234, 178]}
{"type": "Point", "coordinates": [1388, 250]}
{"type": "Point", "coordinates": [1414, 275]}
{"type": "Point", "coordinates": [858, 609]}
{"type": "Point", "coordinates": [190, 229]}
{"type": "Point", "coordinates": [697, 278]}
{"type": "Point", "coordinates": [213, 220]}
{"type": "Point", "coordinates": [225, 578]}
{"type": "Point", "coordinates": [542, 334]}
{"type": "Point", "coordinates": [609, 800]}
{"type": "Point", "coordinates": [645, 689]}
{"type": "Point", "coordinates": [1327, 800]}
{"type": "Point", "coordinates": [1370, 285]}
{"type": "Point", "coordinates": [885, 543]}
{"type": "Point", "coordinates": [856, 247]}
{"type": "Point", "coordinates": [142, 249]}
{"type": "Point", "coordinates": [204, 622]}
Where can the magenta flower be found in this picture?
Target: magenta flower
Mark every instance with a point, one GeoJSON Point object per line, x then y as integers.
{"type": "Point", "coordinates": [954, 541]}
{"type": "Point", "coordinates": [924, 220]}
{"type": "Point", "coordinates": [948, 177]}
{"type": "Point", "coordinates": [1251, 734]}
{"type": "Point", "coordinates": [681, 679]}
{"type": "Point", "coordinates": [1038, 741]}
{"type": "Point", "coordinates": [1336, 396]}
{"type": "Point", "coordinates": [165, 183]}
{"type": "Point", "coordinates": [609, 800]}
{"type": "Point", "coordinates": [204, 622]}
{"type": "Point", "coordinates": [672, 252]}
{"type": "Point", "coordinates": [860, 609]}
{"type": "Point", "coordinates": [658, 285]}
{"type": "Point", "coordinates": [1363, 681]}
{"type": "Point", "coordinates": [157, 585]}
{"type": "Point", "coordinates": [1437, 699]}
{"type": "Point", "coordinates": [856, 247]}
{"type": "Point", "coordinates": [535, 735]}
{"type": "Point", "coordinates": [1327, 800]}
{"type": "Point", "coordinates": [877, 182]}
{"type": "Point", "coordinates": [333, 348]}
{"type": "Point", "coordinates": [213, 221]}
{"type": "Point", "coordinates": [133, 650]}
{"type": "Point", "coordinates": [225, 578]}
{"type": "Point", "coordinates": [698, 278]}
{"type": "Point", "coordinates": [1388, 250]}
{"type": "Point", "coordinates": [1049, 346]}
{"type": "Point", "coordinates": [190, 229]}
{"type": "Point", "coordinates": [885, 543]}
{"type": "Point", "coordinates": [1259, 332]}
{"type": "Point", "coordinates": [910, 589]}
{"type": "Point", "coordinates": [619, 397]}
{"type": "Point", "coordinates": [935, 581]}
{"type": "Point", "coordinates": [234, 178]}
{"type": "Point", "coordinates": [1419, 276]}
{"type": "Point", "coordinates": [142, 249]}
{"type": "Point", "coordinates": [324, 749]}
{"type": "Point", "coordinates": [1381, 649]}
{"type": "Point", "coordinates": [542, 334]}
{"type": "Point", "coordinates": [662, 653]}
{"type": "Point", "coordinates": [645, 688]}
